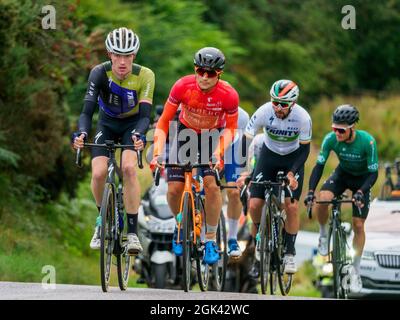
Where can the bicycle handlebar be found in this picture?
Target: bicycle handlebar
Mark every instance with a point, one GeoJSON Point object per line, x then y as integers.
{"type": "Point", "coordinates": [110, 145]}
{"type": "Point", "coordinates": [333, 201]}
{"type": "Point", "coordinates": [284, 183]}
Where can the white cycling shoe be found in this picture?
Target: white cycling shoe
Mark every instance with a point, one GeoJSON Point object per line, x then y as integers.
{"type": "Point", "coordinates": [323, 246]}
{"type": "Point", "coordinates": [134, 247]}
{"type": "Point", "coordinates": [95, 242]}
{"type": "Point", "coordinates": [290, 264]}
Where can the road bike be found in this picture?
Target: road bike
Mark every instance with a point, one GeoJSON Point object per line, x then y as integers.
{"type": "Point", "coordinates": [113, 240]}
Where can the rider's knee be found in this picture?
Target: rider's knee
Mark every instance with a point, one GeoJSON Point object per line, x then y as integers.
{"type": "Point", "coordinates": [128, 171]}
{"type": "Point", "coordinates": [233, 194]}
{"type": "Point", "coordinates": [292, 208]}
{"type": "Point", "coordinates": [175, 191]}
{"type": "Point", "coordinates": [99, 174]}
{"type": "Point", "coordinates": [255, 205]}
{"type": "Point", "coordinates": [212, 189]}
{"type": "Point", "coordinates": [325, 195]}
{"type": "Point", "coordinates": [358, 226]}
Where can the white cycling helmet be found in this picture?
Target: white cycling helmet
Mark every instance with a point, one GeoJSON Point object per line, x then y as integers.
{"type": "Point", "coordinates": [122, 41]}
{"type": "Point", "coordinates": [285, 91]}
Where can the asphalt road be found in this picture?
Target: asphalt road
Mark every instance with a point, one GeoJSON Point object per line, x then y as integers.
{"type": "Point", "coordinates": [35, 291]}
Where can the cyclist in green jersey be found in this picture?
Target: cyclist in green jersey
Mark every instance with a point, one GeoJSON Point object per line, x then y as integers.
{"type": "Point", "coordinates": [357, 171]}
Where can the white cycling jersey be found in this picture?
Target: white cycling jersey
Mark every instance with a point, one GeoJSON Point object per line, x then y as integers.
{"type": "Point", "coordinates": [282, 136]}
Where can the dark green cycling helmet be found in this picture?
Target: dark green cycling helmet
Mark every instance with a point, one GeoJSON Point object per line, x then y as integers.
{"type": "Point", "coordinates": [345, 114]}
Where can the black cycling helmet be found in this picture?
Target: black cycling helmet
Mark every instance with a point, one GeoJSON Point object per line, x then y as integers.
{"type": "Point", "coordinates": [209, 58]}
{"type": "Point", "coordinates": [345, 114]}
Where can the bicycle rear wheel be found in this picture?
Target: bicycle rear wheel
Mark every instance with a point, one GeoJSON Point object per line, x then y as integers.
{"type": "Point", "coordinates": [203, 269]}
{"type": "Point", "coordinates": [265, 247]}
{"type": "Point", "coordinates": [284, 279]}
{"type": "Point", "coordinates": [106, 235]}
{"type": "Point", "coordinates": [219, 268]}
{"type": "Point", "coordinates": [187, 242]}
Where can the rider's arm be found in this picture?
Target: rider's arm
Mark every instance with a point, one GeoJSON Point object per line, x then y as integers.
{"type": "Point", "coordinates": [301, 158]}
{"type": "Point", "coordinates": [317, 171]}
{"type": "Point", "coordinates": [90, 104]}
{"type": "Point", "coordinates": [145, 100]}
{"type": "Point", "coordinates": [369, 181]}
{"type": "Point", "coordinates": [372, 161]}
{"type": "Point", "coordinates": [228, 133]}
{"type": "Point", "coordinates": [304, 149]}
{"type": "Point", "coordinates": [162, 128]}
{"type": "Point", "coordinates": [144, 115]}
{"type": "Point", "coordinates": [316, 175]}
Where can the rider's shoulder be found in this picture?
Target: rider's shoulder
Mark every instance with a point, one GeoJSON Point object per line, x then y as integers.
{"type": "Point", "coordinates": [365, 135]}
{"type": "Point", "coordinates": [300, 110]}
{"type": "Point", "coordinates": [139, 70]}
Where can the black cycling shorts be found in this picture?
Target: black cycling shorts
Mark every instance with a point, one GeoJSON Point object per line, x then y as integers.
{"type": "Point", "coordinates": [119, 130]}
{"type": "Point", "coordinates": [341, 180]}
{"type": "Point", "coordinates": [193, 147]}
{"type": "Point", "coordinates": [268, 165]}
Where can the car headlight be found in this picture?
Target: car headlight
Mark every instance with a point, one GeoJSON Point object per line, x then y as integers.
{"type": "Point", "coordinates": [368, 255]}
{"type": "Point", "coordinates": [327, 268]}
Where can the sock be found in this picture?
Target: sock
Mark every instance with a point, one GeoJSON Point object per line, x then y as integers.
{"type": "Point", "coordinates": [290, 240]}
{"type": "Point", "coordinates": [322, 230]}
{"type": "Point", "coordinates": [132, 222]}
{"type": "Point", "coordinates": [356, 263]}
{"type": "Point", "coordinates": [233, 228]}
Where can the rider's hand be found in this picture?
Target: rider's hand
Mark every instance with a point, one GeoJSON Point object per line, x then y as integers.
{"type": "Point", "coordinates": [218, 162]}
{"type": "Point", "coordinates": [358, 199]}
{"type": "Point", "coordinates": [309, 199]}
{"type": "Point", "coordinates": [155, 163]}
{"type": "Point", "coordinates": [293, 184]}
{"type": "Point", "coordinates": [138, 142]}
{"type": "Point", "coordinates": [78, 140]}
{"type": "Point", "coordinates": [241, 181]}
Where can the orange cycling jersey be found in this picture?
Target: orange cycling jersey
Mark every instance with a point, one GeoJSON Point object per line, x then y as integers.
{"type": "Point", "coordinates": [200, 110]}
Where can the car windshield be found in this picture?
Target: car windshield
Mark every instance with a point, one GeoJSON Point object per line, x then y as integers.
{"type": "Point", "coordinates": [384, 216]}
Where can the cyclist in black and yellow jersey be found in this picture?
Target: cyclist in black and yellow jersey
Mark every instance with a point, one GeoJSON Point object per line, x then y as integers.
{"type": "Point", "coordinates": [357, 171]}
{"type": "Point", "coordinates": [124, 92]}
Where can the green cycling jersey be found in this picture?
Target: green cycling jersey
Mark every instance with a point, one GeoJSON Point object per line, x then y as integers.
{"type": "Point", "coordinates": [357, 158]}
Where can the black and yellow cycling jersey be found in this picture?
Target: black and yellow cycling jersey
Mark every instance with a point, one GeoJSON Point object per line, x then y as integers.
{"type": "Point", "coordinates": [118, 99]}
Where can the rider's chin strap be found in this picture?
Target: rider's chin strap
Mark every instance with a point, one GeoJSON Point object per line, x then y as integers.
{"type": "Point", "coordinates": [350, 136]}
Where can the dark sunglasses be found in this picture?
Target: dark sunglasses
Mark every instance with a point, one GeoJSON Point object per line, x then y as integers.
{"type": "Point", "coordinates": [283, 105]}
{"type": "Point", "coordinates": [340, 130]}
{"type": "Point", "coordinates": [210, 73]}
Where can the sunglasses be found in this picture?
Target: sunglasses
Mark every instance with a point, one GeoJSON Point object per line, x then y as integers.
{"type": "Point", "coordinates": [283, 105]}
{"type": "Point", "coordinates": [210, 73]}
{"type": "Point", "coordinates": [340, 130]}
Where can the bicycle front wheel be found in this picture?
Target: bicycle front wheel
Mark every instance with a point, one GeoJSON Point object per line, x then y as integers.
{"type": "Point", "coordinates": [123, 265]}
{"type": "Point", "coordinates": [187, 242]}
{"type": "Point", "coordinates": [338, 260]}
{"type": "Point", "coordinates": [265, 247]}
{"type": "Point", "coordinates": [203, 269]}
{"type": "Point", "coordinates": [219, 268]}
{"type": "Point", "coordinates": [107, 212]}
{"type": "Point", "coordinates": [284, 279]}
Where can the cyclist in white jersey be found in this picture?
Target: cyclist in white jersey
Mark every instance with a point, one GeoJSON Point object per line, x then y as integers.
{"type": "Point", "coordinates": [287, 136]}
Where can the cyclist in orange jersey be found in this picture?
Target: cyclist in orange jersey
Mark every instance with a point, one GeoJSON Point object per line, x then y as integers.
{"type": "Point", "coordinates": [206, 127]}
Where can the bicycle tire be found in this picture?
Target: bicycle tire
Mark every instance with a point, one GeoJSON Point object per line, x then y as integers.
{"type": "Point", "coordinates": [106, 235]}
{"type": "Point", "coordinates": [203, 270]}
{"type": "Point", "coordinates": [123, 266]}
{"type": "Point", "coordinates": [265, 252]}
{"type": "Point", "coordinates": [284, 279]}
{"type": "Point", "coordinates": [187, 243]}
{"type": "Point", "coordinates": [219, 268]}
{"type": "Point", "coordinates": [336, 257]}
